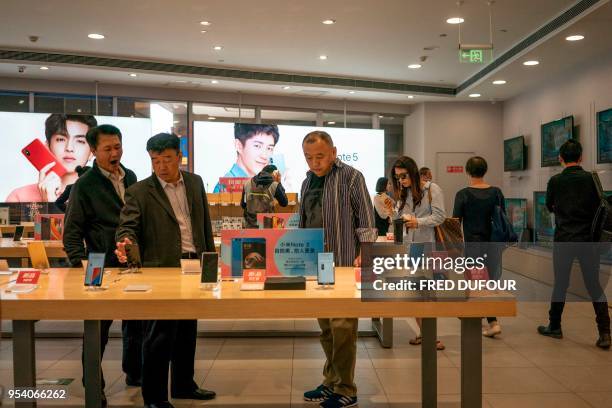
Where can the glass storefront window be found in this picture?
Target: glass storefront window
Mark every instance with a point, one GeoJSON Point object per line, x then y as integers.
{"type": "Point", "coordinates": [73, 104]}
{"type": "Point", "coordinates": [14, 102]}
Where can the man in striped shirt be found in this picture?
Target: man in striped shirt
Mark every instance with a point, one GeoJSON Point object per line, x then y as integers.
{"type": "Point", "coordinates": [335, 198]}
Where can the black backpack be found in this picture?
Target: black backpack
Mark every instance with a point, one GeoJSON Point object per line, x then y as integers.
{"type": "Point", "coordinates": [601, 229]}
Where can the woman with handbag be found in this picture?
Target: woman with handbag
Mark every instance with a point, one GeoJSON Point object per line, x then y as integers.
{"type": "Point", "coordinates": [420, 204]}
{"type": "Point", "coordinates": [475, 206]}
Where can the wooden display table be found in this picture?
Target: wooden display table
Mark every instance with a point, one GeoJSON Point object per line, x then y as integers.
{"type": "Point", "coordinates": [19, 249]}
{"type": "Point", "coordinates": [61, 296]}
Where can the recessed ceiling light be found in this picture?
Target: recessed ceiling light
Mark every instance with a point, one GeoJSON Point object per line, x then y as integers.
{"type": "Point", "coordinates": [455, 20]}
{"type": "Point", "coordinates": [575, 37]}
{"type": "Point", "coordinates": [132, 75]}
{"type": "Point", "coordinates": [499, 82]}
{"type": "Point", "coordinates": [217, 48]}
{"type": "Point", "coordinates": [44, 68]}
{"type": "Point", "coordinates": [203, 31]}
{"type": "Point", "coordinates": [214, 81]}
{"type": "Point", "coordinates": [331, 123]}
{"type": "Point", "coordinates": [414, 66]}
{"type": "Point", "coordinates": [21, 101]}
{"type": "Point", "coordinates": [474, 95]}
{"type": "Point", "coordinates": [410, 96]}
{"type": "Point", "coordinates": [531, 63]}
{"type": "Point", "coordinates": [329, 22]}
{"type": "Point", "coordinates": [322, 57]}
{"type": "Point", "coordinates": [180, 81]}
{"type": "Point", "coordinates": [95, 36]}
{"type": "Point", "coordinates": [205, 23]}
{"type": "Point", "coordinates": [212, 118]}
{"type": "Point", "coordinates": [351, 92]}
{"type": "Point", "coordinates": [380, 116]}
{"type": "Point", "coordinates": [286, 87]}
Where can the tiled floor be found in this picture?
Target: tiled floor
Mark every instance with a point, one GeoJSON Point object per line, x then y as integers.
{"type": "Point", "coordinates": [521, 368]}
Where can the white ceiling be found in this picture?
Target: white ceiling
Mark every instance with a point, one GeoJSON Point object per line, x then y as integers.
{"type": "Point", "coordinates": [371, 39]}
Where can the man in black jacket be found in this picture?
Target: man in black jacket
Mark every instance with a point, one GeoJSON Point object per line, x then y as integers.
{"type": "Point", "coordinates": [92, 217]}
{"type": "Point", "coordinates": [259, 194]}
{"type": "Point", "coordinates": [167, 215]}
{"type": "Point", "coordinates": [573, 198]}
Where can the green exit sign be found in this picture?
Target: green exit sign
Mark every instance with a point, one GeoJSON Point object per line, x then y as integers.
{"type": "Point", "coordinates": [474, 56]}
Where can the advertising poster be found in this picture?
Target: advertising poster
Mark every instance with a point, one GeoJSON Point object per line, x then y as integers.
{"type": "Point", "coordinates": [544, 225]}
{"type": "Point", "coordinates": [31, 140]}
{"type": "Point", "coordinates": [278, 220]}
{"type": "Point", "coordinates": [516, 209]}
{"type": "Point", "coordinates": [243, 150]}
{"type": "Point", "coordinates": [279, 252]}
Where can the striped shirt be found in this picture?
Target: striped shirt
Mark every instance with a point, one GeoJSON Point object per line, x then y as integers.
{"type": "Point", "coordinates": [348, 216]}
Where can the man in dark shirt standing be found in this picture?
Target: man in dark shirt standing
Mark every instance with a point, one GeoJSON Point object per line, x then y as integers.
{"type": "Point", "coordinates": [572, 197]}
{"type": "Point", "coordinates": [336, 199]}
{"type": "Point", "coordinates": [92, 216]}
{"type": "Point", "coordinates": [259, 194]}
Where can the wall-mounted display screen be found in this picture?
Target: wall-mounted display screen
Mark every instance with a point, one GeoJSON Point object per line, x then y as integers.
{"type": "Point", "coordinates": [43, 150]}
{"type": "Point", "coordinates": [515, 157]}
{"type": "Point", "coordinates": [242, 150]}
{"type": "Point", "coordinates": [544, 221]}
{"type": "Point", "coordinates": [604, 136]}
{"type": "Point", "coordinates": [554, 134]}
{"type": "Point", "coordinates": [516, 209]}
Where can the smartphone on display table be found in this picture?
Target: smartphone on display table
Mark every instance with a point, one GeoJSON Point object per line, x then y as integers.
{"type": "Point", "coordinates": [18, 233]}
{"type": "Point", "coordinates": [39, 155]}
{"type": "Point", "coordinates": [95, 269]}
{"type": "Point", "coordinates": [325, 268]}
{"type": "Point", "coordinates": [210, 267]}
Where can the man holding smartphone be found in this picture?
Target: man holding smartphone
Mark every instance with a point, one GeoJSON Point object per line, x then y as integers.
{"type": "Point", "coordinates": [92, 217]}
{"type": "Point", "coordinates": [174, 202]}
{"type": "Point", "coordinates": [335, 198]}
{"type": "Point", "coordinates": [259, 194]}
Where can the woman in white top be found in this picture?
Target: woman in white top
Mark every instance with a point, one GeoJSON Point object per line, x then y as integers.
{"type": "Point", "coordinates": [383, 206]}
{"type": "Point", "coordinates": [421, 204]}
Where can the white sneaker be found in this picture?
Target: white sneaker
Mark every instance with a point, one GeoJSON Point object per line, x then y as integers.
{"type": "Point", "coordinates": [493, 330]}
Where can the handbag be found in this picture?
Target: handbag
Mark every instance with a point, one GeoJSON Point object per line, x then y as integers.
{"type": "Point", "coordinates": [449, 234]}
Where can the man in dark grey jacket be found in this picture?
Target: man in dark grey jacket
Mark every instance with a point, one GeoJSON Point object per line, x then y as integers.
{"type": "Point", "coordinates": [167, 215]}
{"type": "Point", "coordinates": [92, 217]}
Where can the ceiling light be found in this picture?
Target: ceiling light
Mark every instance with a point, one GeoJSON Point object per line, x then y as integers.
{"type": "Point", "coordinates": [44, 68]}
{"type": "Point", "coordinates": [531, 63]}
{"type": "Point", "coordinates": [380, 116]}
{"type": "Point", "coordinates": [499, 82]}
{"type": "Point", "coordinates": [21, 101]}
{"type": "Point", "coordinates": [203, 31]}
{"type": "Point", "coordinates": [474, 95]}
{"type": "Point", "coordinates": [329, 22]}
{"type": "Point", "coordinates": [575, 37]}
{"type": "Point", "coordinates": [455, 20]}
{"type": "Point", "coordinates": [205, 23]}
{"type": "Point", "coordinates": [212, 118]}
{"type": "Point", "coordinates": [217, 48]}
{"type": "Point", "coordinates": [132, 75]}
{"type": "Point", "coordinates": [286, 87]}
{"type": "Point", "coordinates": [214, 81]}
{"type": "Point", "coordinates": [322, 57]}
{"type": "Point", "coordinates": [95, 36]}
{"type": "Point", "coordinates": [410, 96]}
{"type": "Point", "coordinates": [351, 92]}
{"type": "Point", "coordinates": [79, 110]}
{"type": "Point", "coordinates": [331, 123]}
{"type": "Point", "coordinates": [414, 66]}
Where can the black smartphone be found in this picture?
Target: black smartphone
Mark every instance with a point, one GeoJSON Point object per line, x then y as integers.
{"type": "Point", "coordinates": [210, 267]}
{"type": "Point", "coordinates": [18, 233]}
{"type": "Point", "coordinates": [132, 252]}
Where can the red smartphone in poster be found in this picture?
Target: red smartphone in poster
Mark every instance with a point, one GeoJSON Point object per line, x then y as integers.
{"type": "Point", "coordinates": [39, 155]}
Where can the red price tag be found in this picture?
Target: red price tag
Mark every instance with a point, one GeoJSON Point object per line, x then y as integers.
{"type": "Point", "coordinates": [28, 277]}
{"type": "Point", "coordinates": [254, 276]}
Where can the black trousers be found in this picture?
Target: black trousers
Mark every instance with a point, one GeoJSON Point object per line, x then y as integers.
{"type": "Point", "coordinates": [588, 258]}
{"type": "Point", "coordinates": [132, 347]}
{"type": "Point", "coordinates": [165, 342]}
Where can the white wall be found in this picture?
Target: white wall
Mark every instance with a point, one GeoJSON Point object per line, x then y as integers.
{"type": "Point", "coordinates": [414, 134]}
{"type": "Point", "coordinates": [582, 93]}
